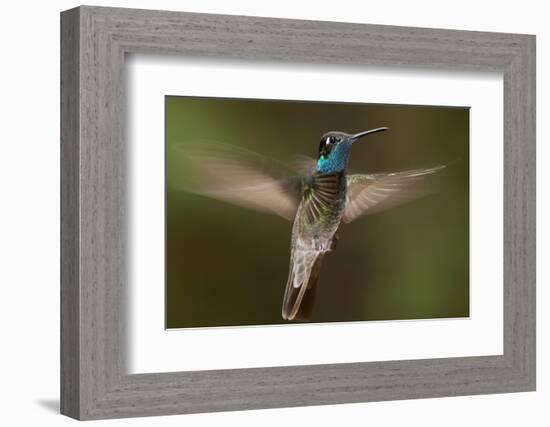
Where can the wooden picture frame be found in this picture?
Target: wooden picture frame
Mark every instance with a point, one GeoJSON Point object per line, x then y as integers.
{"type": "Point", "coordinates": [94, 382]}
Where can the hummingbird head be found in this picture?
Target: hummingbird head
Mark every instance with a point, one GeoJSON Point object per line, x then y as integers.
{"type": "Point", "coordinates": [334, 149]}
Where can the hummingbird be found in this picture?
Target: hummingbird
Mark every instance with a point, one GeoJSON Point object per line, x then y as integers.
{"type": "Point", "coordinates": [317, 196]}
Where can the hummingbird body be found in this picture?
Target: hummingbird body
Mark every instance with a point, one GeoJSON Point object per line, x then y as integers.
{"type": "Point", "coordinates": [313, 234]}
{"type": "Point", "coordinates": [317, 219]}
{"type": "Point", "coordinates": [320, 211]}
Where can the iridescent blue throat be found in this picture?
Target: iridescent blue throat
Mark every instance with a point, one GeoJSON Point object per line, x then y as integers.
{"type": "Point", "coordinates": [337, 159]}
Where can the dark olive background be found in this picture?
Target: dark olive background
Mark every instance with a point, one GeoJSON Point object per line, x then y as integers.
{"type": "Point", "coordinates": [226, 265]}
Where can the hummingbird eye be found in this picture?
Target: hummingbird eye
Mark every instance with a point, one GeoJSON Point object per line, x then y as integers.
{"type": "Point", "coordinates": [326, 145]}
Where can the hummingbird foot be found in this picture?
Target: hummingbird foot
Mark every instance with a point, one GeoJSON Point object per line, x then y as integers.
{"type": "Point", "coordinates": [334, 242]}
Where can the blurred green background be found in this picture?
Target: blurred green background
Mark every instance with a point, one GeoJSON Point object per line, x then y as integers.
{"type": "Point", "coordinates": [226, 265]}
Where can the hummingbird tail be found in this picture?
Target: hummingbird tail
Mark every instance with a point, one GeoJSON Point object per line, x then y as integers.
{"type": "Point", "coordinates": [301, 286]}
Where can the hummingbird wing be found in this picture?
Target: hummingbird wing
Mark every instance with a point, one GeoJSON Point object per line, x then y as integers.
{"type": "Point", "coordinates": [370, 193]}
{"type": "Point", "coordinates": [237, 176]}
{"type": "Point", "coordinates": [304, 165]}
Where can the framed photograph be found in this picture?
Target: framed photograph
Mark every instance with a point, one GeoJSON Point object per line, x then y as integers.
{"type": "Point", "coordinates": [263, 213]}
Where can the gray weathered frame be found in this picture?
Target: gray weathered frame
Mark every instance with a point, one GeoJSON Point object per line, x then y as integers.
{"type": "Point", "coordinates": [94, 41]}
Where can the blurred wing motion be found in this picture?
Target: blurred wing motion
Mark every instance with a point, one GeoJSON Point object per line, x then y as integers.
{"type": "Point", "coordinates": [304, 165]}
{"type": "Point", "coordinates": [238, 176]}
{"type": "Point", "coordinates": [370, 193]}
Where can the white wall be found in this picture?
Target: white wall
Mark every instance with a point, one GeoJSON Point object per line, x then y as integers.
{"type": "Point", "coordinates": [29, 229]}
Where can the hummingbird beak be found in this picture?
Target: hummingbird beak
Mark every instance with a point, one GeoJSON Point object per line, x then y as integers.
{"type": "Point", "coordinates": [367, 132]}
